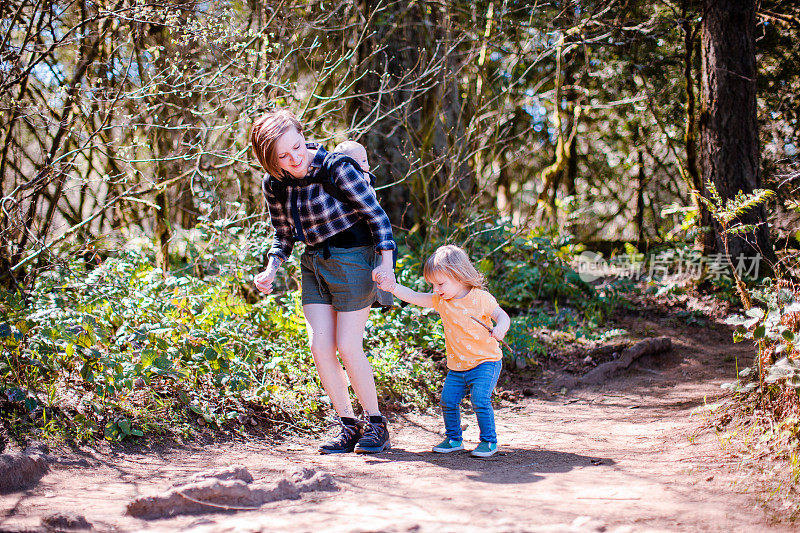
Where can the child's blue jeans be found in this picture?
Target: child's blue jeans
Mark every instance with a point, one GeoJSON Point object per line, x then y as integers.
{"type": "Point", "coordinates": [479, 382]}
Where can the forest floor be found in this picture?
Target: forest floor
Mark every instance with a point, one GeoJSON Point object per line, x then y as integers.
{"type": "Point", "coordinates": [638, 453]}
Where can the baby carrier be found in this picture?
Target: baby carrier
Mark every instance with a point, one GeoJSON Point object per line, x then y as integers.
{"type": "Point", "coordinates": [358, 234]}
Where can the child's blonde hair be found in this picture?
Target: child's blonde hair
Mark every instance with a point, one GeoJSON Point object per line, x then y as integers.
{"type": "Point", "coordinates": [454, 262]}
{"type": "Point", "coordinates": [348, 147]}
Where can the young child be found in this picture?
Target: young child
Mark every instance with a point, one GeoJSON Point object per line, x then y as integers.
{"type": "Point", "coordinates": [474, 358]}
{"type": "Point", "coordinates": [356, 151]}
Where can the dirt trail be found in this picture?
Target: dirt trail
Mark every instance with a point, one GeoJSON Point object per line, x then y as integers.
{"type": "Point", "coordinates": [627, 456]}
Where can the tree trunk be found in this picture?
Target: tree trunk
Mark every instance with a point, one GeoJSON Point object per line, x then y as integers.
{"type": "Point", "coordinates": [420, 125]}
{"type": "Point", "coordinates": [728, 128]}
{"type": "Point", "coordinates": [572, 170]}
{"type": "Point", "coordinates": [705, 239]}
{"type": "Point", "coordinates": [162, 230]}
{"type": "Point", "coordinates": [641, 183]}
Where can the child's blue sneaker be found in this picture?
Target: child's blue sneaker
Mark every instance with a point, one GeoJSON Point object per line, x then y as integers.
{"type": "Point", "coordinates": [448, 445]}
{"type": "Point", "coordinates": [484, 449]}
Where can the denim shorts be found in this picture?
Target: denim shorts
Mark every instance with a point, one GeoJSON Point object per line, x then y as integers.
{"type": "Point", "coordinates": [343, 280]}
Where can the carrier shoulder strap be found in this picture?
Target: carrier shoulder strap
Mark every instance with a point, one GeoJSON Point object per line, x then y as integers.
{"type": "Point", "coordinates": [325, 175]}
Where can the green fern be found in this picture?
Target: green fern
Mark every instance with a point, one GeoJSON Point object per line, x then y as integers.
{"type": "Point", "coordinates": [740, 229]}
{"type": "Point", "coordinates": [728, 210]}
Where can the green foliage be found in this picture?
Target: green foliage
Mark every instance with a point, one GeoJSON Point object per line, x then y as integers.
{"type": "Point", "coordinates": [774, 329]}
{"type": "Point", "coordinates": [126, 326]}
{"type": "Point", "coordinates": [525, 266]}
{"type": "Point", "coordinates": [531, 266]}
{"type": "Point", "coordinates": [126, 349]}
{"type": "Point", "coordinates": [726, 211]}
{"type": "Point", "coordinates": [121, 349]}
{"type": "Point", "coordinates": [530, 274]}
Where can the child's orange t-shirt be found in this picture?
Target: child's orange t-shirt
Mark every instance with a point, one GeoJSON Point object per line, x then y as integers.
{"type": "Point", "coordinates": [468, 344]}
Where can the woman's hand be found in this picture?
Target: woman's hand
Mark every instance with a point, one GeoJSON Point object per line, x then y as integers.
{"type": "Point", "coordinates": [263, 280]}
{"type": "Point", "coordinates": [384, 273]}
{"type": "Point", "coordinates": [386, 281]}
{"type": "Point", "coordinates": [385, 278]}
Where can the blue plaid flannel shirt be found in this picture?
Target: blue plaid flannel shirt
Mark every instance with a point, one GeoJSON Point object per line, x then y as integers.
{"type": "Point", "coordinates": [322, 215]}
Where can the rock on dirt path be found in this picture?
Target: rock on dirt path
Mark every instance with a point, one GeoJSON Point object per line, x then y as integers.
{"type": "Point", "coordinates": [21, 470]}
{"type": "Point", "coordinates": [627, 456]}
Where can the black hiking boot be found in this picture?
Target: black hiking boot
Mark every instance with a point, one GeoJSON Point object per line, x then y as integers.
{"type": "Point", "coordinates": [349, 431]}
{"type": "Point", "coordinates": [376, 436]}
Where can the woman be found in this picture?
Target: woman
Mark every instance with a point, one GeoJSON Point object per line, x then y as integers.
{"type": "Point", "coordinates": [331, 206]}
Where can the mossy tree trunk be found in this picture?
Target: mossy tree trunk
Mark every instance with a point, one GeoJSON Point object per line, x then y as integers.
{"type": "Point", "coordinates": [728, 128]}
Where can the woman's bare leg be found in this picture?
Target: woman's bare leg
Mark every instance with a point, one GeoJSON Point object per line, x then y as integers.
{"type": "Point", "coordinates": [321, 322]}
{"type": "Point", "coordinates": [350, 341]}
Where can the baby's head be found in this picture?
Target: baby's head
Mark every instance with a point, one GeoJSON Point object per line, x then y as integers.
{"type": "Point", "coordinates": [356, 151]}
{"type": "Point", "coordinates": [451, 262]}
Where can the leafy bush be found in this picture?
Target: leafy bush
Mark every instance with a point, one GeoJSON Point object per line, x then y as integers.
{"type": "Point", "coordinates": [774, 329]}
{"type": "Point", "coordinates": [121, 348]}
{"type": "Point", "coordinates": [522, 266]}
{"type": "Point", "coordinates": [125, 348]}
{"type": "Point", "coordinates": [125, 327]}
{"type": "Point", "coordinates": [522, 270]}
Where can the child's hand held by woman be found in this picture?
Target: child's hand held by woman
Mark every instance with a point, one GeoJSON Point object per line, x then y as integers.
{"type": "Point", "coordinates": [386, 281]}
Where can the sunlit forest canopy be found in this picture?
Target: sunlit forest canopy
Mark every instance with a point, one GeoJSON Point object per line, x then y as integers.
{"type": "Point", "coordinates": [127, 120]}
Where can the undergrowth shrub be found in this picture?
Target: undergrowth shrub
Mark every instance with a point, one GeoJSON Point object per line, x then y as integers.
{"type": "Point", "coordinates": [532, 265]}
{"type": "Point", "coordinates": [124, 336]}
{"type": "Point", "coordinates": [775, 330]}
{"type": "Point", "coordinates": [119, 348]}
{"type": "Point", "coordinates": [764, 412]}
{"type": "Point", "coordinates": [766, 396]}
{"type": "Point", "coordinates": [523, 266]}
{"type": "Point", "coordinates": [124, 348]}
{"type": "Point", "coordinates": [531, 276]}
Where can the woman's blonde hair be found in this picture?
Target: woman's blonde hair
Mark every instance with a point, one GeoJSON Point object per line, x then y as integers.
{"type": "Point", "coordinates": [452, 261]}
{"type": "Point", "coordinates": [266, 131]}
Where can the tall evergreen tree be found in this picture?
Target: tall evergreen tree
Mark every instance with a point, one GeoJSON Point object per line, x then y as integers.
{"type": "Point", "coordinates": [728, 127]}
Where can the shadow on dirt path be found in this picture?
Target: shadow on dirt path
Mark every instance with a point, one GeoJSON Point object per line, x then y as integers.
{"type": "Point", "coordinates": [634, 454]}
{"type": "Point", "coordinates": [526, 467]}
